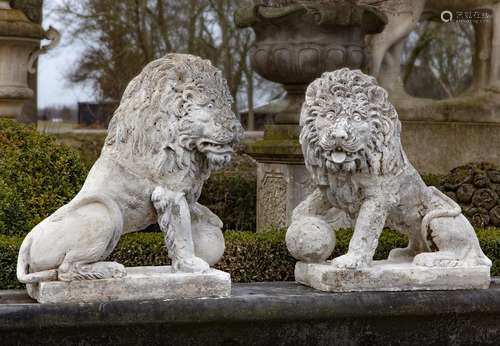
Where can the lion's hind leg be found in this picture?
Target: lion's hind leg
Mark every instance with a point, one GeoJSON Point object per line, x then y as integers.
{"type": "Point", "coordinates": [90, 271]}
{"type": "Point", "coordinates": [97, 225]}
{"type": "Point", "coordinates": [455, 243]}
{"type": "Point", "coordinates": [416, 245]}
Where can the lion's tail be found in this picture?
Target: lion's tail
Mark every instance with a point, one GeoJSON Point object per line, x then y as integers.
{"type": "Point", "coordinates": [453, 211]}
{"type": "Point", "coordinates": [22, 266]}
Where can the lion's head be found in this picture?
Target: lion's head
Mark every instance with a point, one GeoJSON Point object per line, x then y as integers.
{"type": "Point", "coordinates": [176, 114]}
{"type": "Point", "coordinates": [349, 125]}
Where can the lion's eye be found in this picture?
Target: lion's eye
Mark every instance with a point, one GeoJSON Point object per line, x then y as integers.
{"type": "Point", "coordinates": [357, 117]}
{"type": "Point", "coordinates": [210, 105]}
{"type": "Point", "coordinates": [330, 116]}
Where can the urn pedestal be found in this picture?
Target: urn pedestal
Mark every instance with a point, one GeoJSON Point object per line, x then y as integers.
{"type": "Point", "coordinates": [282, 178]}
{"type": "Point", "coordinates": [294, 44]}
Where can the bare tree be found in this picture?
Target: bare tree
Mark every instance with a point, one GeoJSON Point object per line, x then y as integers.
{"type": "Point", "coordinates": [122, 36]}
{"type": "Point", "coordinates": [443, 55]}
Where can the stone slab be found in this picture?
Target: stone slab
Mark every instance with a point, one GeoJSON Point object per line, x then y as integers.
{"type": "Point", "coordinates": [141, 283]}
{"type": "Point", "coordinates": [390, 276]}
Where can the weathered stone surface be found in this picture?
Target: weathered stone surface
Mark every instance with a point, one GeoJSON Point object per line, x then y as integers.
{"type": "Point", "coordinates": [479, 217]}
{"type": "Point", "coordinates": [174, 126]}
{"type": "Point", "coordinates": [476, 191]}
{"type": "Point", "coordinates": [293, 45]}
{"type": "Point", "coordinates": [140, 283]}
{"type": "Point", "coordinates": [351, 144]}
{"type": "Point", "coordinates": [387, 276]}
{"type": "Point", "coordinates": [310, 240]}
{"type": "Point", "coordinates": [484, 198]}
{"type": "Point", "coordinates": [465, 192]}
{"type": "Point", "coordinates": [282, 179]}
{"type": "Point", "coordinates": [495, 215]}
{"type": "Point", "coordinates": [494, 176]}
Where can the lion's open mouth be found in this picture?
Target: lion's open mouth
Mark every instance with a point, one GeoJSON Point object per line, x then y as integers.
{"type": "Point", "coordinates": [339, 155]}
{"type": "Point", "coordinates": [218, 154]}
{"type": "Point", "coordinates": [215, 148]}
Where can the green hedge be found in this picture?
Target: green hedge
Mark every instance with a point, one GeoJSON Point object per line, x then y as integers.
{"type": "Point", "coordinates": [249, 256]}
{"type": "Point", "coordinates": [37, 176]}
{"type": "Point", "coordinates": [39, 173]}
{"type": "Point", "coordinates": [233, 198]}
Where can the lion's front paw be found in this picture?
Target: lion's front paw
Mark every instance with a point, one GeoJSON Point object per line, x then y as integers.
{"type": "Point", "coordinates": [162, 198]}
{"type": "Point", "coordinates": [351, 261]}
{"type": "Point", "coordinates": [190, 265]}
{"type": "Point", "coordinates": [159, 198]}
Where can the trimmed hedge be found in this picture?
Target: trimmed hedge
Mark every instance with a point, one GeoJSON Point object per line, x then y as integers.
{"type": "Point", "coordinates": [37, 176]}
{"type": "Point", "coordinates": [39, 173]}
{"type": "Point", "coordinates": [88, 145]}
{"type": "Point", "coordinates": [249, 257]}
{"type": "Point", "coordinates": [233, 198]}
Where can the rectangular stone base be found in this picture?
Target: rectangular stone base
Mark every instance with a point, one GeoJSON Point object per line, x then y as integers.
{"type": "Point", "coordinates": [388, 276]}
{"type": "Point", "coordinates": [141, 283]}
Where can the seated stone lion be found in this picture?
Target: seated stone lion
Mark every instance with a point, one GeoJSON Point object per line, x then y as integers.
{"type": "Point", "coordinates": [351, 143]}
{"type": "Point", "coordinates": [173, 127]}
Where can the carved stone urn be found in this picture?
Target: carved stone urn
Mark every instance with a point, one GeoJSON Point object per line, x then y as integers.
{"type": "Point", "coordinates": [19, 47]}
{"type": "Point", "coordinates": [295, 42]}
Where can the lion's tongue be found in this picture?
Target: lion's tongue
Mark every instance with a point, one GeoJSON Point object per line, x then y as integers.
{"type": "Point", "coordinates": [338, 156]}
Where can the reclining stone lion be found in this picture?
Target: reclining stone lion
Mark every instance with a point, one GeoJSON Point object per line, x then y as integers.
{"type": "Point", "coordinates": [351, 143]}
{"type": "Point", "coordinates": [174, 126]}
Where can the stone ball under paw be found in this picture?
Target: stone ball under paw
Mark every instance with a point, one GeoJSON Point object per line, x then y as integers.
{"type": "Point", "coordinates": [208, 243]}
{"type": "Point", "coordinates": [310, 240]}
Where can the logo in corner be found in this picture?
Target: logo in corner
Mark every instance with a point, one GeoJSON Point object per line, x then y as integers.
{"type": "Point", "coordinates": [446, 16]}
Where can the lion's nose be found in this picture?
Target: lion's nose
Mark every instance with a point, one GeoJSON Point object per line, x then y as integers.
{"type": "Point", "coordinates": [339, 133]}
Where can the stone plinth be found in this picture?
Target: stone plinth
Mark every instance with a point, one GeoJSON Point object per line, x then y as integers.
{"type": "Point", "coordinates": [282, 179]}
{"type": "Point", "coordinates": [387, 276]}
{"type": "Point", "coordinates": [141, 283]}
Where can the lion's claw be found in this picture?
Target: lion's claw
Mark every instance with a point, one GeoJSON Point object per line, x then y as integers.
{"type": "Point", "coordinates": [350, 261]}
{"type": "Point", "coordinates": [190, 265]}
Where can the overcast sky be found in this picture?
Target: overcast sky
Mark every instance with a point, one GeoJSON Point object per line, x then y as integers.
{"type": "Point", "coordinates": [53, 88]}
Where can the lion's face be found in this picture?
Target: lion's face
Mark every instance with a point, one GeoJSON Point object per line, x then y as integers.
{"type": "Point", "coordinates": [343, 136]}
{"type": "Point", "coordinates": [175, 115]}
{"type": "Point", "coordinates": [217, 130]}
{"type": "Point", "coordinates": [348, 124]}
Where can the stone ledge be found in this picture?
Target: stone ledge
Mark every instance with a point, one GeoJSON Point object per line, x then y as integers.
{"type": "Point", "coordinates": [282, 313]}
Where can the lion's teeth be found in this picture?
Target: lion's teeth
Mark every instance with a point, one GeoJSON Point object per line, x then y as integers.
{"type": "Point", "coordinates": [338, 156]}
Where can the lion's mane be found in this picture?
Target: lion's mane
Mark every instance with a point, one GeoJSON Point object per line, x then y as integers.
{"type": "Point", "coordinates": [151, 129]}
{"type": "Point", "coordinates": [359, 94]}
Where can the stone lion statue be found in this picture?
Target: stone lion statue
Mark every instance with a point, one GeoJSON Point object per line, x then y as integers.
{"type": "Point", "coordinates": [351, 143]}
{"type": "Point", "coordinates": [173, 127]}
